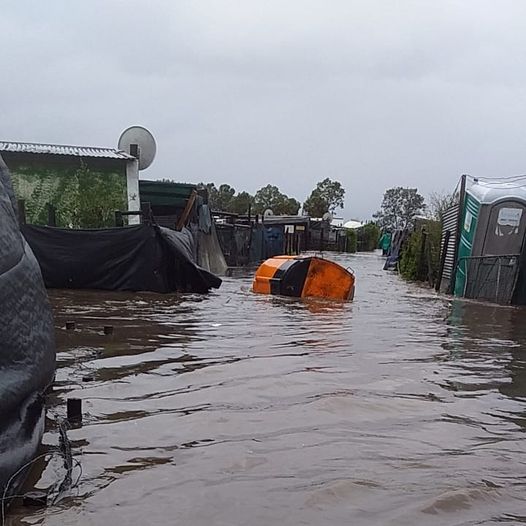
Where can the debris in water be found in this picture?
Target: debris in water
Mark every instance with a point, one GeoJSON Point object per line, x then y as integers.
{"type": "Point", "coordinates": [304, 277]}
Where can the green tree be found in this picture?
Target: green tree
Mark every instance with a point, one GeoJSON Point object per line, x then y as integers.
{"type": "Point", "coordinates": [326, 197]}
{"type": "Point", "coordinates": [399, 208]}
{"type": "Point", "coordinates": [315, 205]}
{"type": "Point", "coordinates": [368, 236]}
{"type": "Point", "coordinates": [352, 240]}
{"type": "Point", "coordinates": [212, 194]}
{"type": "Point", "coordinates": [420, 257]}
{"type": "Point", "coordinates": [225, 194]}
{"type": "Point", "coordinates": [270, 197]}
{"type": "Point", "coordinates": [290, 207]}
{"type": "Point", "coordinates": [240, 203]}
{"type": "Point", "coordinates": [219, 198]}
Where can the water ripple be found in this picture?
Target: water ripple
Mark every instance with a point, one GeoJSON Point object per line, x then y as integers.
{"type": "Point", "coordinates": [401, 408]}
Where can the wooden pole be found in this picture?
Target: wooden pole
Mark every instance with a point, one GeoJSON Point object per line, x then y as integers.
{"type": "Point", "coordinates": [51, 215]}
{"type": "Point", "coordinates": [421, 255]}
{"type": "Point", "coordinates": [119, 221]}
{"type": "Point", "coordinates": [22, 211]}
{"type": "Point", "coordinates": [187, 210]}
{"type": "Point", "coordinates": [429, 262]}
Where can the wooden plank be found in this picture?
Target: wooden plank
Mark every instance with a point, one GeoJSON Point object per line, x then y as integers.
{"type": "Point", "coordinates": [186, 212]}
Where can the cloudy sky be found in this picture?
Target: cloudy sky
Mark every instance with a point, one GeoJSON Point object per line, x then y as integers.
{"type": "Point", "coordinates": [373, 93]}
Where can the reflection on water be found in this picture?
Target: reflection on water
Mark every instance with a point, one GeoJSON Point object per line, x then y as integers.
{"type": "Point", "coordinates": [400, 408]}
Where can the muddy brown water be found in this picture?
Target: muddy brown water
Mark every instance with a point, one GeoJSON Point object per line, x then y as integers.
{"type": "Point", "coordinates": [400, 408]}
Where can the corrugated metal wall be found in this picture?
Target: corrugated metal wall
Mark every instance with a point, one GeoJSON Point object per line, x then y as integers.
{"type": "Point", "coordinates": [449, 222]}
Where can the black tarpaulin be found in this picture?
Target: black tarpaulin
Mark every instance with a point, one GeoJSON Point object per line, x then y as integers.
{"type": "Point", "coordinates": [27, 346]}
{"type": "Point", "coordinates": [134, 258]}
{"type": "Point", "coordinates": [27, 352]}
{"type": "Point", "coordinates": [182, 246]}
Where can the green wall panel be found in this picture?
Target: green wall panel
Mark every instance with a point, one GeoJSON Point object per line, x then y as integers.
{"type": "Point", "coordinates": [83, 197]}
{"type": "Point", "coordinates": [469, 227]}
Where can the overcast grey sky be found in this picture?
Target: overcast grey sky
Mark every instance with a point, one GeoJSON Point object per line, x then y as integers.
{"type": "Point", "coordinates": [372, 93]}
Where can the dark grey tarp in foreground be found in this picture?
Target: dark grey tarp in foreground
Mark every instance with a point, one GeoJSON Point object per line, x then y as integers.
{"type": "Point", "coordinates": [27, 348]}
{"type": "Point", "coordinates": [134, 258]}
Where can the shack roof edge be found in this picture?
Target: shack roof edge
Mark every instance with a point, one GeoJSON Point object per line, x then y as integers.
{"type": "Point", "coordinates": [63, 149]}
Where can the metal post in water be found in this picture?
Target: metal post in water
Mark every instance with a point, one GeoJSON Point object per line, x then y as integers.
{"type": "Point", "coordinates": [498, 281]}
{"type": "Point", "coordinates": [74, 409]}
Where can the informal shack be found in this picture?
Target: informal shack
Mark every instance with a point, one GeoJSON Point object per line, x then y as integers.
{"type": "Point", "coordinates": [72, 186]}
{"type": "Point", "coordinates": [81, 212]}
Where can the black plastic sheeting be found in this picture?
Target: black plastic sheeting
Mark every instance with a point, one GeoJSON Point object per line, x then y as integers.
{"type": "Point", "coordinates": [133, 258]}
{"type": "Point", "coordinates": [27, 347]}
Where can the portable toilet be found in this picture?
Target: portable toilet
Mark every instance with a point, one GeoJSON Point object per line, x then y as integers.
{"type": "Point", "coordinates": [491, 241]}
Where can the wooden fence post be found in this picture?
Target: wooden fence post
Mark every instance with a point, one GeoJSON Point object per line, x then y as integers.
{"type": "Point", "coordinates": [22, 211]}
{"type": "Point", "coordinates": [51, 215]}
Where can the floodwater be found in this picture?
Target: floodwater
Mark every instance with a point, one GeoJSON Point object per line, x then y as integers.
{"type": "Point", "coordinates": [400, 408]}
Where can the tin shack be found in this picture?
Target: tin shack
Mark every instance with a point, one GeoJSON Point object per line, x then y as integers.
{"type": "Point", "coordinates": [72, 186]}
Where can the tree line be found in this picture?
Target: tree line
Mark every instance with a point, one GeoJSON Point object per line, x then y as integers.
{"type": "Point", "coordinates": [399, 209]}
{"type": "Point", "coordinates": [402, 206]}
{"type": "Point", "coordinates": [327, 196]}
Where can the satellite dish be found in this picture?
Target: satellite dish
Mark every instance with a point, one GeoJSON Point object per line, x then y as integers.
{"type": "Point", "coordinates": [327, 216]}
{"type": "Point", "coordinates": [268, 212]}
{"type": "Point", "coordinates": [139, 142]}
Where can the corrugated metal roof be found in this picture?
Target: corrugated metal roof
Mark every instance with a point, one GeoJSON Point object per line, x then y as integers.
{"type": "Point", "coordinates": [61, 149]}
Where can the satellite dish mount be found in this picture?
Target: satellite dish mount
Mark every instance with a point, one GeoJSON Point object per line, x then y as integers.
{"type": "Point", "coordinates": [138, 142]}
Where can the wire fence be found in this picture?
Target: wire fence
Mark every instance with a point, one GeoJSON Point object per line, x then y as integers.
{"type": "Point", "coordinates": [490, 278]}
{"type": "Point", "coordinates": [61, 487]}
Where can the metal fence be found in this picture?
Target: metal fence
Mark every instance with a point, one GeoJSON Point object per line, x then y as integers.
{"type": "Point", "coordinates": [235, 243]}
{"type": "Point", "coordinates": [490, 278]}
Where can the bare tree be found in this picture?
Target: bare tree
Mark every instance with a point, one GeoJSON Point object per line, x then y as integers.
{"type": "Point", "coordinates": [440, 202]}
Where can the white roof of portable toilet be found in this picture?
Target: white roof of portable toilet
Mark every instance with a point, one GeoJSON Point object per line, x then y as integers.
{"type": "Point", "coordinates": [352, 224]}
{"type": "Point", "coordinates": [487, 192]}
